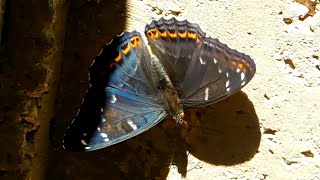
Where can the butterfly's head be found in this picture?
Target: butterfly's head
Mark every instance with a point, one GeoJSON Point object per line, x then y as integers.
{"type": "Point", "coordinates": [179, 117]}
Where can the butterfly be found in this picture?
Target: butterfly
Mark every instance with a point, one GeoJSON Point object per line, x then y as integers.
{"type": "Point", "coordinates": [135, 85]}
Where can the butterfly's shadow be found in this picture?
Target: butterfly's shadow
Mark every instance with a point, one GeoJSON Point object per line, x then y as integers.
{"type": "Point", "coordinates": [225, 133]}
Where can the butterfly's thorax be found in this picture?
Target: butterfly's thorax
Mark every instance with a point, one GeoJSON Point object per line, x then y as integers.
{"type": "Point", "coordinates": [169, 96]}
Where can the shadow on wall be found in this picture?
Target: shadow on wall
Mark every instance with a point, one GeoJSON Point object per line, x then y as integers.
{"type": "Point", "coordinates": [226, 133]}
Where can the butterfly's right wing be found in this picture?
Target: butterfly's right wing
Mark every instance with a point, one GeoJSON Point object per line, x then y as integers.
{"type": "Point", "coordinates": [214, 73]}
{"type": "Point", "coordinates": [201, 68]}
{"type": "Point", "coordinates": [122, 101]}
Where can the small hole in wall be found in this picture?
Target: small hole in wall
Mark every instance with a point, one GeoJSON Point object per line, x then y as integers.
{"type": "Point", "coordinates": [307, 154]}
{"type": "Point", "coordinates": [269, 131]}
{"type": "Point", "coordinates": [287, 20]}
{"type": "Point", "coordinates": [30, 136]}
{"type": "Point", "coordinates": [289, 62]}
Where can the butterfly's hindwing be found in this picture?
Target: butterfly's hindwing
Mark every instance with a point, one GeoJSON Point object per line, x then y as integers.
{"type": "Point", "coordinates": [124, 115]}
{"type": "Point", "coordinates": [215, 72]}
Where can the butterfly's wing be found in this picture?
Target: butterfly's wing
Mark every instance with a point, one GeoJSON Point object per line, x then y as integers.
{"type": "Point", "coordinates": [203, 69]}
{"type": "Point", "coordinates": [121, 103]}
{"type": "Point", "coordinates": [214, 73]}
{"type": "Point", "coordinates": [174, 42]}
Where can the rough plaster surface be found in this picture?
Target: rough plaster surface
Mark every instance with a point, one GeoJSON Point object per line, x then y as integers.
{"type": "Point", "coordinates": [270, 130]}
{"type": "Point", "coordinates": [285, 96]}
{"type": "Point", "coordinates": [31, 45]}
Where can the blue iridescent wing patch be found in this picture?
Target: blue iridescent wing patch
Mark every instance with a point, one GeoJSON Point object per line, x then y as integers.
{"type": "Point", "coordinates": [121, 102]}
{"type": "Point", "coordinates": [132, 89]}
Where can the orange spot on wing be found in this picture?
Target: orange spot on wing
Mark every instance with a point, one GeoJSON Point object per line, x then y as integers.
{"type": "Point", "coordinates": [126, 49]}
{"type": "Point", "coordinates": [240, 65]}
{"type": "Point", "coordinates": [153, 33]}
{"type": "Point", "coordinates": [234, 63]}
{"type": "Point", "coordinates": [172, 34]}
{"type": "Point", "coordinates": [150, 35]}
{"type": "Point", "coordinates": [135, 41]}
{"type": "Point", "coordinates": [198, 39]}
{"type": "Point", "coordinates": [118, 58]}
{"type": "Point", "coordinates": [244, 70]}
{"type": "Point", "coordinates": [192, 35]}
{"type": "Point", "coordinates": [163, 33]}
{"type": "Point", "coordinates": [182, 34]}
{"type": "Point", "coordinates": [138, 41]}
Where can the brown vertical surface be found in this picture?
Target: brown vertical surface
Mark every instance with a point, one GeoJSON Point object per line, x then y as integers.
{"type": "Point", "coordinates": [32, 40]}
{"type": "Point", "coordinates": [91, 24]}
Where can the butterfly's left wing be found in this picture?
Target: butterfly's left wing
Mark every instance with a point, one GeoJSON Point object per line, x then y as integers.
{"type": "Point", "coordinates": [121, 102]}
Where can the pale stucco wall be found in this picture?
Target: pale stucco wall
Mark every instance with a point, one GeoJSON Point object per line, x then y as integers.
{"type": "Point", "coordinates": [286, 99]}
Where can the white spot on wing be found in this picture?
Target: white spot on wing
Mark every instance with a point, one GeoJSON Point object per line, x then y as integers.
{"type": "Point", "coordinates": [227, 84]}
{"type": "Point", "coordinates": [113, 99]}
{"type": "Point", "coordinates": [87, 147]}
{"type": "Point", "coordinates": [84, 134]}
{"type": "Point", "coordinates": [227, 74]}
{"type": "Point", "coordinates": [105, 136]}
{"type": "Point", "coordinates": [243, 83]}
{"type": "Point", "coordinates": [238, 70]}
{"type": "Point", "coordinates": [201, 61]}
{"type": "Point", "coordinates": [206, 94]}
{"type": "Point", "coordinates": [242, 76]}
{"type": "Point", "coordinates": [98, 129]}
{"type": "Point", "coordinates": [228, 89]}
{"type": "Point", "coordinates": [83, 142]}
{"type": "Point", "coordinates": [215, 60]}
{"type": "Point", "coordinates": [132, 125]}
{"type": "Point", "coordinates": [101, 109]}
{"type": "Point", "coordinates": [220, 71]}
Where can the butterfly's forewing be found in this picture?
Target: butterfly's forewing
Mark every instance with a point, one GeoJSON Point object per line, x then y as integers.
{"type": "Point", "coordinates": [125, 103]}
{"type": "Point", "coordinates": [215, 72]}
{"type": "Point", "coordinates": [174, 42]}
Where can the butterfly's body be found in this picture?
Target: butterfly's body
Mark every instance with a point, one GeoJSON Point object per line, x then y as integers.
{"type": "Point", "coordinates": [139, 89]}
{"type": "Point", "coordinates": [169, 96]}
